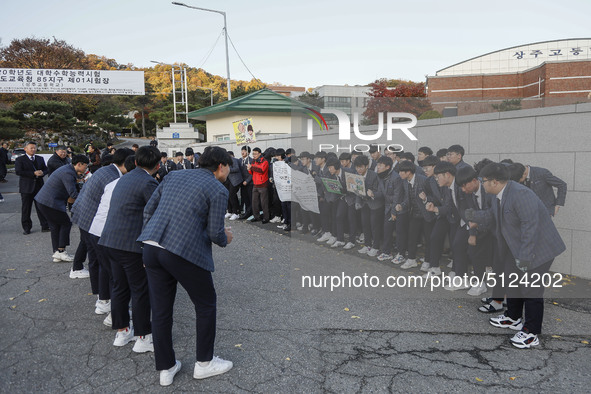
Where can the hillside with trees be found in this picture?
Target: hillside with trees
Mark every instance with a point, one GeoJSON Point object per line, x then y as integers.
{"type": "Point", "coordinates": [76, 118]}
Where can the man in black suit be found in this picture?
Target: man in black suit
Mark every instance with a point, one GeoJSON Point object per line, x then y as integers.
{"type": "Point", "coordinates": [165, 167]}
{"type": "Point", "coordinates": [246, 187]}
{"type": "Point", "coordinates": [3, 162]}
{"type": "Point", "coordinates": [58, 159]}
{"type": "Point", "coordinates": [542, 182]}
{"type": "Point", "coordinates": [30, 169]}
{"type": "Point", "coordinates": [455, 155]}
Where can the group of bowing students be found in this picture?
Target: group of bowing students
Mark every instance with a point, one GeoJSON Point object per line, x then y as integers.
{"type": "Point", "coordinates": [406, 205]}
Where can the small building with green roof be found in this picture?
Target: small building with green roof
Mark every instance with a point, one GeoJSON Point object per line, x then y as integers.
{"type": "Point", "coordinates": [270, 113]}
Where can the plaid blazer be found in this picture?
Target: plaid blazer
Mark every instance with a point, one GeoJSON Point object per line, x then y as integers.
{"type": "Point", "coordinates": [58, 188]}
{"type": "Point", "coordinates": [185, 215]}
{"type": "Point", "coordinates": [88, 200]}
{"type": "Point", "coordinates": [126, 211]}
{"type": "Point", "coordinates": [541, 182]}
{"type": "Point", "coordinates": [524, 223]}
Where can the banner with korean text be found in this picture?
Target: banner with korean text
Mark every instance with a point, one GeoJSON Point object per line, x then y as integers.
{"type": "Point", "coordinates": [20, 80]}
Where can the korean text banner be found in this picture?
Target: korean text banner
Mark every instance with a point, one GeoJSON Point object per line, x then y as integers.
{"type": "Point", "coordinates": [21, 80]}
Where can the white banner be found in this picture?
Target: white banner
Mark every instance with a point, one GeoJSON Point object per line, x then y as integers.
{"type": "Point", "coordinates": [20, 80]}
{"type": "Point", "coordinates": [282, 180]}
{"type": "Point", "coordinates": [304, 191]}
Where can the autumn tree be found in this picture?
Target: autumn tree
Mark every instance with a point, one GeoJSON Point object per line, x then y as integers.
{"type": "Point", "coordinates": [395, 96]}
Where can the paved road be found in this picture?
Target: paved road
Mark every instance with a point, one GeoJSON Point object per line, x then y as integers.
{"type": "Point", "coordinates": [281, 338]}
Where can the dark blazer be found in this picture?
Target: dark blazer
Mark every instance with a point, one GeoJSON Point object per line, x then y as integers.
{"type": "Point", "coordinates": [246, 176]}
{"type": "Point", "coordinates": [524, 224]}
{"type": "Point", "coordinates": [462, 164]}
{"type": "Point", "coordinates": [393, 191]}
{"type": "Point", "coordinates": [235, 176]}
{"type": "Point", "coordinates": [187, 226]}
{"type": "Point", "coordinates": [165, 169]}
{"type": "Point", "coordinates": [420, 186]}
{"type": "Point", "coordinates": [56, 162]}
{"type": "Point", "coordinates": [57, 189]}
{"type": "Point", "coordinates": [88, 200]}
{"type": "Point", "coordinates": [25, 168]}
{"type": "Point", "coordinates": [126, 211]}
{"type": "Point", "coordinates": [433, 191]}
{"type": "Point", "coordinates": [541, 181]}
{"type": "Point", "coordinates": [448, 208]}
{"type": "Point", "coordinates": [189, 165]}
{"type": "Point", "coordinates": [488, 200]}
{"type": "Point", "coordinates": [372, 183]}
{"type": "Point", "coordinates": [4, 156]}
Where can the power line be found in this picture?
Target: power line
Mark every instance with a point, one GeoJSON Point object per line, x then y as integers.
{"type": "Point", "coordinates": [244, 64]}
{"type": "Point", "coordinates": [211, 50]}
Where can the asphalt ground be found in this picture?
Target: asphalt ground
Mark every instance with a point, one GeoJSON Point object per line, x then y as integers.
{"type": "Point", "coordinates": [280, 336]}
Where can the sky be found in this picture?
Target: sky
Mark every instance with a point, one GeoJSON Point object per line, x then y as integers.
{"type": "Point", "coordinates": [301, 43]}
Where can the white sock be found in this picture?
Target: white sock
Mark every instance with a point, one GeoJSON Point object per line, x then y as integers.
{"type": "Point", "coordinates": [203, 363]}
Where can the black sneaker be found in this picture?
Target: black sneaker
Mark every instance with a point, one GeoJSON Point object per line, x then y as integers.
{"type": "Point", "coordinates": [503, 321]}
{"type": "Point", "coordinates": [491, 308]}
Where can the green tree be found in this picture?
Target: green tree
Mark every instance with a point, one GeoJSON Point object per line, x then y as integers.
{"type": "Point", "coordinates": [44, 116]}
{"type": "Point", "coordinates": [313, 99]}
{"type": "Point", "coordinates": [10, 128]}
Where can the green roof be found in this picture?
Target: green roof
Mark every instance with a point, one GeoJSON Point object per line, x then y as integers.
{"type": "Point", "coordinates": [263, 100]}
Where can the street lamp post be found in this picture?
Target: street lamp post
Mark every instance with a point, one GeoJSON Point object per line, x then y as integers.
{"type": "Point", "coordinates": [225, 34]}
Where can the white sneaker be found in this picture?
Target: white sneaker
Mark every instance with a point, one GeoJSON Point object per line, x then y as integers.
{"type": "Point", "coordinates": [425, 267]}
{"type": "Point", "coordinates": [477, 290]}
{"type": "Point", "coordinates": [331, 240]}
{"type": "Point", "coordinates": [122, 338]}
{"type": "Point", "coordinates": [167, 375]}
{"type": "Point", "coordinates": [108, 320]}
{"type": "Point", "coordinates": [62, 256]}
{"type": "Point", "coordinates": [461, 286]}
{"type": "Point", "coordinates": [451, 274]}
{"type": "Point", "coordinates": [79, 274]}
{"type": "Point", "coordinates": [234, 217]}
{"type": "Point", "coordinates": [228, 215]}
{"type": "Point", "coordinates": [410, 263]}
{"type": "Point", "coordinates": [384, 257]}
{"type": "Point", "coordinates": [361, 239]}
{"type": "Point", "coordinates": [435, 271]}
{"type": "Point", "coordinates": [299, 227]}
{"type": "Point", "coordinates": [337, 244]}
{"type": "Point", "coordinates": [102, 307]}
{"type": "Point", "coordinates": [216, 366]}
{"type": "Point", "coordinates": [398, 259]}
{"type": "Point", "coordinates": [451, 264]}
{"type": "Point", "coordinates": [282, 226]}
{"type": "Point", "coordinates": [363, 250]}
{"type": "Point", "coordinates": [276, 219]}
{"type": "Point", "coordinates": [373, 252]}
{"type": "Point", "coordinates": [324, 237]}
{"type": "Point", "coordinates": [349, 245]}
{"type": "Point", "coordinates": [143, 344]}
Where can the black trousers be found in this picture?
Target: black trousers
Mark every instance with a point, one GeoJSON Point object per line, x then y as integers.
{"type": "Point", "coordinates": [233, 204]}
{"type": "Point", "coordinates": [525, 297]}
{"type": "Point", "coordinates": [2, 171]}
{"type": "Point", "coordinates": [371, 222]}
{"type": "Point", "coordinates": [129, 281]}
{"type": "Point", "coordinates": [27, 200]}
{"type": "Point", "coordinates": [286, 212]}
{"type": "Point", "coordinates": [388, 235]}
{"type": "Point", "coordinates": [274, 202]}
{"type": "Point", "coordinates": [246, 198]}
{"type": "Point", "coordinates": [478, 256]}
{"type": "Point", "coordinates": [408, 233]}
{"type": "Point", "coordinates": [98, 264]}
{"type": "Point", "coordinates": [80, 255]}
{"type": "Point", "coordinates": [343, 215]}
{"type": "Point", "coordinates": [164, 271]}
{"type": "Point", "coordinates": [260, 197]}
{"type": "Point", "coordinates": [59, 224]}
{"type": "Point", "coordinates": [441, 229]}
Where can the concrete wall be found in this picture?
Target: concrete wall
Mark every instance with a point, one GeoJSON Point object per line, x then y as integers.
{"type": "Point", "coordinates": [557, 138]}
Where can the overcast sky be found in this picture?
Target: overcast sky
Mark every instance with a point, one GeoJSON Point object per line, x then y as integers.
{"type": "Point", "coordinates": [302, 42]}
